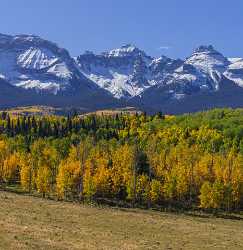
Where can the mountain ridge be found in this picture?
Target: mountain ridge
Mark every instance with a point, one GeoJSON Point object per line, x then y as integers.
{"type": "Point", "coordinates": [44, 73]}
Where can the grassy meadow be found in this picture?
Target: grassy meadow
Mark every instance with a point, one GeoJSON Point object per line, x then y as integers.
{"type": "Point", "coordinates": [33, 223]}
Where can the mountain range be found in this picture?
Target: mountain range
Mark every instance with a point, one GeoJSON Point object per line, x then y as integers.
{"type": "Point", "coordinates": [34, 71]}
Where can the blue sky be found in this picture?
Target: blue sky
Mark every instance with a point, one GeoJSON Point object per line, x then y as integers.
{"type": "Point", "coordinates": [170, 27]}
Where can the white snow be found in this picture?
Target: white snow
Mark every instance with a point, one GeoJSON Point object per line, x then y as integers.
{"type": "Point", "coordinates": [33, 67]}
{"type": "Point", "coordinates": [52, 87]}
{"type": "Point", "coordinates": [236, 64]}
{"type": "Point", "coordinates": [234, 59]}
{"type": "Point", "coordinates": [2, 76]}
{"type": "Point", "coordinates": [206, 61]}
{"type": "Point", "coordinates": [36, 58]}
{"type": "Point", "coordinates": [237, 79]}
{"type": "Point", "coordinates": [118, 79]}
{"type": "Point", "coordinates": [179, 96]}
{"type": "Point", "coordinates": [117, 71]}
{"type": "Point", "coordinates": [186, 77]}
{"type": "Point", "coordinates": [123, 51]}
{"type": "Point", "coordinates": [113, 80]}
{"type": "Point", "coordinates": [235, 71]}
{"type": "Point", "coordinates": [60, 70]}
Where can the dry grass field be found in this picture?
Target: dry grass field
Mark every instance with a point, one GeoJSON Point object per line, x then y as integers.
{"type": "Point", "coordinates": [113, 112]}
{"type": "Point", "coordinates": [32, 110]}
{"type": "Point", "coordinates": [48, 110]}
{"type": "Point", "coordinates": [34, 223]}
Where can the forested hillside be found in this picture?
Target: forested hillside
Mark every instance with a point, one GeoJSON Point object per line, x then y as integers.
{"type": "Point", "coordinates": [187, 161]}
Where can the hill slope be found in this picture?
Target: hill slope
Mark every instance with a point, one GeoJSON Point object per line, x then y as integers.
{"type": "Point", "coordinates": [32, 223]}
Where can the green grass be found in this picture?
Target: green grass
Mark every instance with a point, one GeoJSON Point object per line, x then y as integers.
{"type": "Point", "coordinates": [33, 223]}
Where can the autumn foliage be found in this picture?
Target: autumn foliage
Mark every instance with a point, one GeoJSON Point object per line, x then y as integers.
{"type": "Point", "coordinates": [185, 161]}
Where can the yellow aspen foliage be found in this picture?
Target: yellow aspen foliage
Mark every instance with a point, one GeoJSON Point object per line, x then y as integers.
{"type": "Point", "coordinates": [68, 178]}
{"type": "Point", "coordinates": [49, 158]}
{"type": "Point", "coordinates": [169, 186]}
{"type": "Point", "coordinates": [3, 155]}
{"type": "Point", "coordinates": [206, 195]}
{"type": "Point", "coordinates": [11, 168]}
{"type": "Point", "coordinates": [134, 125]}
{"type": "Point", "coordinates": [190, 160]}
{"type": "Point", "coordinates": [156, 191]}
{"type": "Point", "coordinates": [49, 155]}
{"type": "Point", "coordinates": [123, 160]}
{"type": "Point", "coordinates": [204, 169]}
{"type": "Point", "coordinates": [218, 198]}
{"type": "Point", "coordinates": [236, 179]}
{"type": "Point", "coordinates": [143, 188]}
{"type": "Point", "coordinates": [73, 154]}
{"type": "Point", "coordinates": [27, 178]}
{"type": "Point", "coordinates": [3, 150]}
{"type": "Point", "coordinates": [43, 180]}
{"type": "Point", "coordinates": [182, 175]}
{"type": "Point", "coordinates": [44, 154]}
{"type": "Point", "coordinates": [158, 163]}
{"type": "Point", "coordinates": [102, 176]}
{"type": "Point", "coordinates": [89, 183]}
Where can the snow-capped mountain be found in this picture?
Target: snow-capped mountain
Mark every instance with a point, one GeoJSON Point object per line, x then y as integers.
{"type": "Point", "coordinates": [124, 72]}
{"type": "Point", "coordinates": [202, 71]}
{"type": "Point", "coordinates": [234, 71]}
{"type": "Point", "coordinates": [29, 62]}
{"type": "Point", "coordinates": [128, 72]}
{"type": "Point", "coordinates": [39, 71]}
{"type": "Point", "coordinates": [210, 63]}
{"type": "Point", "coordinates": [204, 80]}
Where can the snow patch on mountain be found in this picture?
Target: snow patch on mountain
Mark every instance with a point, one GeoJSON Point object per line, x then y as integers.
{"type": "Point", "coordinates": [32, 62]}
{"type": "Point", "coordinates": [123, 72]}
{"type": "Point", "coordinates": [60, 70]}
{"type": "Point", "coordinates": [128, 72]}
{"type": "Point", "coordinates": [235, 71]}
{"type": "Point", "coordinates": [36, 58]}
{"type": "Point", "coordinates": [52, 87]}
{"type": "Point", "coordinates": [206, 59]}
{"type": "Point", "coordinates": [114, 82]}
{"type": "Point", "coordinates": [234, 59]}
{"type": "Point", "coordinates": [209, 63]}
{"type": "Point", "coordinates": [125, 50]}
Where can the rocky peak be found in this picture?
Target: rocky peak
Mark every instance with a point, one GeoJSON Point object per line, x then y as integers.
{"type": "Point", "coordinates": [206, 59]}
{"type": "Point", "coordinates": [205, 49]}
{"type": "Point", "coordinates": [127, 50]}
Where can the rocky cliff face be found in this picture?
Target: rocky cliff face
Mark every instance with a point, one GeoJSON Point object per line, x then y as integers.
{"type": "Point", "coordinates": [123, 76]}
{"type": "Point", "coordinates": [128, 72]}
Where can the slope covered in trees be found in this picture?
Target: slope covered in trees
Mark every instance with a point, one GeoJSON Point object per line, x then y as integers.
{"type": "Point", "coordinates": [184, 161]}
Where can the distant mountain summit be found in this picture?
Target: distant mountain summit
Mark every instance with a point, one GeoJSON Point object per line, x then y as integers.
{"type": "Point", "coordinates": [121, 71]}
{"type": "Point", "coordinates": [46, 71]}
{"type": "Point", "coordinates": [36, 71]}
{"type": "Point", "coordinates": [31, 62]}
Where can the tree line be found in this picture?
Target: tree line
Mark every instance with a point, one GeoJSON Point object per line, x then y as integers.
{"type": "Point", "coordinates": [185, 161]}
